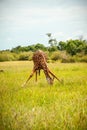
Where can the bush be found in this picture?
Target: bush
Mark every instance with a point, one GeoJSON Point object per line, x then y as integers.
{"type": "Point", "coordinates": [25, 56]}
{"type": "Point", "coordinates": [62, 56]}
{"type": "Point", "coordinates": [68, 59]}
{"type": "Point", "coordinates": [6, 56]}
{"type": "Point", "coordinates": [55, 55]}
{"type": "Point", "coordinates": [80, 57]}
{"type": "Point", "coordinates": [50, 56]}
{"type": "Point", "coordinates": [84, 59]}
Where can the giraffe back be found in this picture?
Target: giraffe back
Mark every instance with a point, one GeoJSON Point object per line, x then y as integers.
{"type": "Point", "coordinates": [39, 59]}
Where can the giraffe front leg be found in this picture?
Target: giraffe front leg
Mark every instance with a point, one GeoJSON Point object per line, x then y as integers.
{"type": "Point", "coordinates": [54, 76]}
{"type": "Point", "coordinates": [29, 78]}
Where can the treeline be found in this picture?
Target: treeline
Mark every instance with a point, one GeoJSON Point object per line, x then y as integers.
{"type": "Point", "coordinates": [69, 51]}
{"type": "Point", "coordinates": [29, 48]}
{"type": "Point", "coordinates": [71, 46]}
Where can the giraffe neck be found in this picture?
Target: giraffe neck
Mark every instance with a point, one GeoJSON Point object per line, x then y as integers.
{"type": "Point", "coordinates": [46, 72]}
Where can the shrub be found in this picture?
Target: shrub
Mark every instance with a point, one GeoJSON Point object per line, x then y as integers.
{"type": "Point", "coordinates": [68, 59]}
{"type": "Point", "coordinates": [55, 55]}
{"type": "Point", "coordinates": [6, 56]}
{"type": "Point", "coordinates": [80, 57]}
{"type": "Point", "coordinates": [83, 59]}
{"type": "Point", "coordinates": [30, 54]}
{"type": "Point", "coordinates": [62, 56]}
{"type": "Point", "coordinates": [25, 56]}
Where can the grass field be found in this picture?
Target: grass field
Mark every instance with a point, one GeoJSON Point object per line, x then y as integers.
{"type": "Point", "coordinates": [40, 106]}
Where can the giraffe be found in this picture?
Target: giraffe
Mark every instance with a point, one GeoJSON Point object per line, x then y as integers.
{"type": "Point", "coordinates": [39, 60]}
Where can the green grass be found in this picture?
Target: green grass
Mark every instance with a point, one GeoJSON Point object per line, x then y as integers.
{"type": "Point", "coordinates": [40, 106]}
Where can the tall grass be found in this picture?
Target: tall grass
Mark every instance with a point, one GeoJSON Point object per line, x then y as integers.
{"type": "Point", "coordinates": [39, 106]}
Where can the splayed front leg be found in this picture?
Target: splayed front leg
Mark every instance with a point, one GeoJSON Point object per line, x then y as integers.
{"type": "Point", "coordinates": [55, 76]}
{"type": "Point", "coordinates": [29, 77]}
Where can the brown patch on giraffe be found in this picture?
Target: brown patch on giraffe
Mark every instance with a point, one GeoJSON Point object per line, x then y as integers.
{"type": "Point", "coordinates": [39, 60]}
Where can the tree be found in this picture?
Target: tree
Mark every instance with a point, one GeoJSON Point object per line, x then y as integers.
{"type": "Point", "coordinates": [62, 45]}
{"type": "Point", "coordinates": [71, 47]}
{"type": "Point", "coordinates": [53, 42]}
{"type": "Point", "coordinates": [76, 46]}
{"type": "Point", "coordinates": [40, 46]}
{"type": "Point", "coordinates": [16, 49]}
{"type": "Point", "coordinates": [48, 34]}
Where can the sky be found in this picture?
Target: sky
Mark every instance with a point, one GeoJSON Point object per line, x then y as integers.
{"type": "Point", "coordinates": [26, 22]}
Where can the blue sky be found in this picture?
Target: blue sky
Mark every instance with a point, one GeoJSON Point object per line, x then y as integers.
{"type": "Point", "coordinates": [26, 22]}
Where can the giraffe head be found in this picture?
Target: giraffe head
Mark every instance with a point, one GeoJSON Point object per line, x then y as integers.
{"type": "Point", "coordinates": [50, 80]}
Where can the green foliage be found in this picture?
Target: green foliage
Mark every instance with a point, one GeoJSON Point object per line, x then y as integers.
{"type": "Point", "coordinates": [29, 48]}
{"type": "Point", "coordinates": [25, 56]}
{"type": "Point", "coordinates": [62, 56]}
{"type": "Point", "coordinates": [6, 56]}
{"type": "Point", "coordinates": [53, 42]}
{"type": "Point", "coordinates": [75, 46]}
{"type": "Point", "coordinates": [71, 47]}
{"type": "Point", "coordinates": [83, 59]}
{"type": "Point", "coordinates": [56, 55]}
{"type": "Point", "coordinates": [80, 57]}
{"type": "Point", "coordinates": [52, 48]}
{"type": "Point", "coordinates": [40, 47]}
{"type": "Point", "coordinates": [68, 51]}
{"type": "Point", "coordinates": [16, 49]}
{"type": "Point", "coordinates": [62, 45]}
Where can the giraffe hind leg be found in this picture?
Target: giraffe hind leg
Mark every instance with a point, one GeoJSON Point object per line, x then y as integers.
{"type": "Point", "coordinates": [36, 76]}
{"type": "Point", "coordinates": [39, 71]}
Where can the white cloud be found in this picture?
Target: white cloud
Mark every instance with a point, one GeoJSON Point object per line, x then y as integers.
{"type": "Point", "coordinates": [77, 35]}
{"type": "Point", "coordinates": [9, 39]}
{"type": "Point", "coordinates": [33, 19]}
{"type": "Point", "coordinates": [35, 15]}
